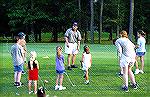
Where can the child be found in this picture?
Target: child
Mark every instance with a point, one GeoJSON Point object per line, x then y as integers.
{"type": "Point", "coordinates": [86, 63]}
{"type": "Point", "coordinates": [60, 69]}
{"type": "Point", "coordinates": [140, 51]}
{"type": "Point", "coordinates": [127, 59]}
{"type": "Point", "coordinates": [17, 57]}
{"type": "Point", "coordinates": [33, 67]}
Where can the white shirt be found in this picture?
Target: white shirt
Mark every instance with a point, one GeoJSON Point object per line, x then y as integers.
{"type": "Point", "coordinates": [87, 60]}
{"type": "Point", "coordinates": [141, 43]}
{"type": "Point", "coordinates": [125, 48]}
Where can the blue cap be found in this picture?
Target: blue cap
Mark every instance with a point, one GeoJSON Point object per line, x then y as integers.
{"type": "Point", "coordinates": [21, 35]}
{"type": "Point", "coordinates": [75, 24]}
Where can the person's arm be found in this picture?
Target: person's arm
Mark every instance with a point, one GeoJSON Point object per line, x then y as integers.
{"type": "Point", "coordinates": [36, 62]}
{"type": "Point", "coordinates": [90, 60]}
{"type": "Point", "coordinates": [119, 49]}
{"type": "Point", "coordinates": [66, 38]}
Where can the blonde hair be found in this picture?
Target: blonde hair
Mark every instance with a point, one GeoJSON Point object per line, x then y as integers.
{"type": "Point", "coordinates": [33, 55]}
{"type": "Point", "coordinates": [123, 33]}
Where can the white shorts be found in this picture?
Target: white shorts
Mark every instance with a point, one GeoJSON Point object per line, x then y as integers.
{"type": "Point", "coordinates": [72, 49]}
{"type": "Point", "coordinates": [126, 61]}
{"type": "Point", "coordinates": [85, 66]}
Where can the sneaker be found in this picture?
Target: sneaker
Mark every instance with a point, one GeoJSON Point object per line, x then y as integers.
{"type": "Point", "coordinates": [125, 88]}
{"type": "Point", "coordinates": [56, 87]}
{"type": "Point", "coordinates": [19, 84]}
{"type": "Point", "coordinates": [141, 71]}
{"type": "Point", "coordinates": [134, 86]}
{"type": "Point", "coordinates": [16, 84]}
{"type": "Point", "coordinates": [137, 71]}
{"type": "Point", "coordinates": [30, 92]}
{"type": "Point", "coordinates": [120, 74]}
{"type": "Point", "coordinates": [87, 82]}
{"type": "Point", "coordinates": [23, 72]}
{"type": "Point", "coordinates": [62, 88]}
{"type": "Point", "coordinates": [69, 68]}
{"type": "Point", "coordinates": [74, 66]}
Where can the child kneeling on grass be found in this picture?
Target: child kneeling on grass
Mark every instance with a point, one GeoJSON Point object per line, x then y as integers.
{"type": "Point", "coordinates": [86, 63]}
{"type": "Point", "coordinates": [33, 68]}
{"type": "Point", "coordinates": [60, 69]}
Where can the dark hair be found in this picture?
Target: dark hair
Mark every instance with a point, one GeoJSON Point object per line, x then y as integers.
{"type": "Point", "coordinates": [114, 40]}
{"type": "Point", "coordinates": [141, 32]}
{"type": "Point", "coordinates": [86, 49]}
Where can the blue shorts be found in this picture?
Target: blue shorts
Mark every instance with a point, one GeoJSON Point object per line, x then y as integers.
{"type": "Point", "coordinates": [18, 68]}
{"type": "Point", "coordinates": [60, 71]}
{"type": "Point", "coordinates": [140, 54]}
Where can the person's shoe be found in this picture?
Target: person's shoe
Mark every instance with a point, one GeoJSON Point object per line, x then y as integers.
{"type": "Point", "coordinates": [16, 84]}
{"type": "Point", "coordinates": [125, 88]}
{"type": "Point", "coordinates": [23, 72]}
{"type": "Point", "coordinates": [69, 68]}
{"type": "Point", "coordinates": [137, 71]}
{"type": "Point", "coordinates": [141, 71]}
{"type": "Point", "coordinates": [120, 74]}
{"type": "Point", "coordinates": [87, 82]}
{"type": "Point", "coordinates": [74, 66]}
{"type": "Point", "coordinates": [62, 88]}
{"type": "Point", "coordinates": [30, 92]}
{"type": "Point", "coordinates": [134, 86]}
{"type": "Point", "coordinates": [56, 87]}
{"type": "Point", "coordinates": [19, 84]}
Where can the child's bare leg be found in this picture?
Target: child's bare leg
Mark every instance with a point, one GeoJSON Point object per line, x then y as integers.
{"type": "Point", "coordinates": [142, 62]}
{"type": "Point", "coordinates": [19, 76]}
{"type": "Point", "coordinates": [125, 75]}
{"type": "Point", "coordinates": [57, 79]}
{"type": "Point", "coordinates": [35, 86]}
{"type": "Point", "coordinates": [29, 85]}
{"type": "Point", "coordinates": [131, 75]}
{"type": "Point", "coordinates": [136, 62]}
{"type": "Point", "coordinates": [61, 79]}
{"type": "Point", "coordinates": [15, 76]}
{"type": "Point", "coordinates": [87, 75]}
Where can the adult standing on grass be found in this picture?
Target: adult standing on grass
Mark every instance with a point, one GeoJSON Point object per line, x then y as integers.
{"type": "Point", "coordinates": [72, 44]}
{"type": "Point", "coordinates": [18, 58]}
{"type": "Point", "coordinates": [140, 51]}
{"type": "Point", "coordinates": [127, 59]}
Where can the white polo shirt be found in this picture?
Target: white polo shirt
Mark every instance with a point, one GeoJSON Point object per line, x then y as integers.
{"type": "Point", "coordinates": [141, 43]}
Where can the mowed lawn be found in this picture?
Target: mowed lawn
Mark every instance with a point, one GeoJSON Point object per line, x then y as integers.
{"type": "Point", "coordinates": [103, 79]}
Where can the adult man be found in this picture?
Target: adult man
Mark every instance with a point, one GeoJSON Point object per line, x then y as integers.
{"type": "Point", "coordinates": [18, 58]}
{"type": "Point", "coordinates": [72, 44]}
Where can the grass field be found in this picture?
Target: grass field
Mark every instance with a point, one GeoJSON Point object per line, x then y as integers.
{"type": "Point", "coordinates": [103, 79]}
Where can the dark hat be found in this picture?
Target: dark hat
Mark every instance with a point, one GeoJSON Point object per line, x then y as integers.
{"type": "Point", "coordinates": [75, 24]}
{"type": "Point", "coordinates": [21, 35]}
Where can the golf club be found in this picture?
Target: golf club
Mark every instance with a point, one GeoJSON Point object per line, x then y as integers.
{"type": "Point", "coordinates": [43, 82]}
{"type": "Point", "coordinates": [70, 80]}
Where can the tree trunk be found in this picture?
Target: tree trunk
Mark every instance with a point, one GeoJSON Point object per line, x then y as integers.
{"type": "Point", "coordinates": [131, 19]}
{"type": "Point", "coordinates": [92, 22]}
{"type": "Point", "coordinates": [101, 23]}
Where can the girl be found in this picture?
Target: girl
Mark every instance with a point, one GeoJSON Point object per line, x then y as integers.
{"type": "Point", "coordinates": [86, 63]}
{"type": "Point", "coordinates": [140, 51]}
{"type": "Point", "coordinates": [127, 59]}
{"type": "Point", "coordinates": [60, 69]}
{"type": "Point", "coordinates": [33, 67]}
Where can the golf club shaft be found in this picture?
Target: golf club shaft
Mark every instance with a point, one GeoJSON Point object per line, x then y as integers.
{"type": "Point", "coordinates": [69, 79]}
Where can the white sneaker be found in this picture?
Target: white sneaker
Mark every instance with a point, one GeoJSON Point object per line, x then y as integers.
{"type": "Point", "coordinates": [87, 82]}
{"type": "Point", "coordinates": [30, 92]}
{"type": "Point", "coordinates": [56, 87]}
{"type": "Point", "coordinates": [141, 71]}
{"type": "Point", "coordinates": [62, 88]}
{"type": "Point", "coordinates": [137, 71]}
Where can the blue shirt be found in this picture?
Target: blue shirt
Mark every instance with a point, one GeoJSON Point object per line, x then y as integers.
{"type": "Point", "coordinates": [17, 54]}
{"type": "Point", "coordinates": [60, 63]}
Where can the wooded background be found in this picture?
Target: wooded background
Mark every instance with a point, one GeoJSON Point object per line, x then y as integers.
{"type": "Point", "coordinates": [34, 17]}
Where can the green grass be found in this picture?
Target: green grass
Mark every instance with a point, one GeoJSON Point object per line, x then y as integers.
{"type": "Point", "coordinates": [103, 79]}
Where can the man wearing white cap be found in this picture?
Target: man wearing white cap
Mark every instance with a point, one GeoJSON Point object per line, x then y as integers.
{"type": "Point", "coordinates": [72, 44]}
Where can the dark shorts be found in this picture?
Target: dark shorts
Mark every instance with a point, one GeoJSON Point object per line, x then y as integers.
{"type": "Point", "coordinates": [140, 54]}
{"type": "Point", "coordinates": [18, 68]}
{"type": "Point", "coordinates": [60, 71]}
